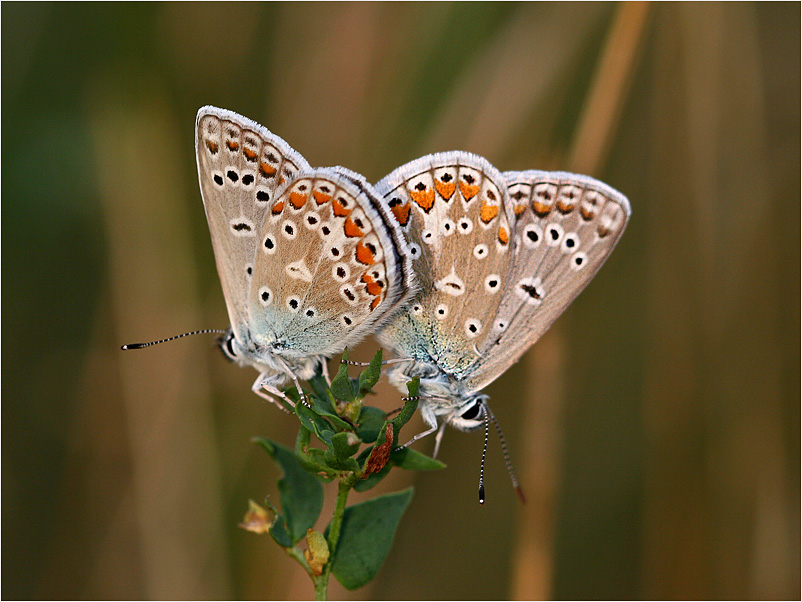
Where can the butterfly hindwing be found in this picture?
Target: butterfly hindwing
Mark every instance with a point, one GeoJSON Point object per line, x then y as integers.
{"type": "Point", "coordinates": [329, 265]}
{"type": "Point", "coordinates": [240, 166]}
{"type": "Point", "coordinates": [564, 227]}
{"type": "Point", "coordinates": [456, 217]}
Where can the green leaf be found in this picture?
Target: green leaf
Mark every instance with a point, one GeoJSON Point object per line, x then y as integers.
{"type": "Point", "coordinates": [315, 423]}
{"type": "Point", "coordinates": [279, 532]}
{"type": "Point", "coordinates": [343, 446]}
{"type": "Point", "coordinates": [301, 493]}
{"type": "Point", "coordinates": [371, 421]}
{"type": "Point", "coordinates": [370, 376]}
{"type": "Point", "coordinates": [341, 385]}
{"type": "Point", "coordinates": [320, 388]}
{"type": "Point", "coordinates": [410, 405]}
{"type": "Point", "coordinates": [367, 532]}
{"type": "Point", "coordinates": [409, 459]}
{"type": "Point", "coordinates": [311, 458]}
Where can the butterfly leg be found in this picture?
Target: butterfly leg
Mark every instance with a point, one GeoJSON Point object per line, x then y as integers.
{"type": "Point", "coordinates": [439, 438]}
{"type": "Point", "coordinates": [266, 390]}
{"type": "Point", "coordinates": [418, 436]}
{"type": "Point", "coordinates": [324, 370]}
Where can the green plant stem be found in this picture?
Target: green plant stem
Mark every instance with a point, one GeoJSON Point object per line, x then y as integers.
{"type": "Point", "coordinates": [322, 581]}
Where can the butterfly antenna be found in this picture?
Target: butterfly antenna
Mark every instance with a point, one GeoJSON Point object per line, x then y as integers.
{"type": "Point", "coordinates": [178, 336]}
{"type": "Point", "coordinates": [484, 454]}
{"type": "Point", "coordinates": [507, 459]}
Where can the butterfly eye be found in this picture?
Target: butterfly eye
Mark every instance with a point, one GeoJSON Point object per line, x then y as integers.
{"type": "Point", "coordinates": [473, 412]}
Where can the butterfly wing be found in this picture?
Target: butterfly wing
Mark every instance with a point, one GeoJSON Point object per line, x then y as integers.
{"type": "Point", "coordinates": [240, 166]}
{"type": "Point", "coordinates": [564, 228]}
{"type": "Point", "coordinates": [452, 208]}
{"type": "Point", "coordinates": [330, 264]}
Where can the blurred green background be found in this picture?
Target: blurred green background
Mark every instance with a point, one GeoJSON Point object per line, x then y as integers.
{"type": "Point", "coordinates": [656, 427]}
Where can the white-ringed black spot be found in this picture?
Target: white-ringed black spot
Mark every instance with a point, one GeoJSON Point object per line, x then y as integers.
{"type": "Point", "coordinates": [218, 179]}
{"type": "Point", "coordinates": [493, 283]}
{"type": "Point", "coordinates": [249, 270]}
{"type": "Point", "coordinates": [554, 233]}
{"type": "Point", "coordinates": [335, 252]}
{"type": "Point", "coordinates": [473, 327]}
{"type": "Point", "coordinates": [414, 250]}
{"type": "Point", "coordinates": [247, 179]}
{"type": "Point", "coordinates": [288, 230]}
{"type": "Point", "coordinates": [310, 313]}
{"type": "Point", "coordinates": [241, 227]}
{"type": "Point", "coordinates": [347, 320]}
{"type": "Point", "coordinates": [325, 230]}
{"type": "Point", "coordinates": [269, 244]}
{"type": "Point", "coordinates": [480, 251]}
{"type": "Point", "coordinates": [265, 296]}
{"type": "Point", "coordinates": [441, 311]}
{"type": "Point", "coordinates": [417, 309]}
{"type": "Point", "coordinates": [570, 242]}
{"type": "Point", "coordinates": [348, 294]}
{"type": "Point", "coordinates": [501, 325]}
{"type": "Point", "coordinates": [465, 225]}
{"type": "Point", "coordinates": [232, 175]}
{"type": "Point", "coordinates": [578, 261]}
{"type": "Point", "coordinates": [293, 303]}
{"type": "Point", "coordinates": [262, 196]}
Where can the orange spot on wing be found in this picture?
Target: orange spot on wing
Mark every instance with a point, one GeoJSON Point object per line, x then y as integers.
{"type": "Point", "coordinates": [424, 198]}
{"type": "Point", "coordinates": [364, 255]}
{"type": "Point", "coordinates": [373, 287]}
{"type": "Point", "coordinates": [321, 197]}
{"type": "Point", "coordinates": [277, 208]}
{"type": "Point", "coordinates": [541, 208]}
{"type": "Point", "coordinates": [445, 189]}
{"type": "Point", "coordinates": [587, 214]}
{"type": "Point", "coordinates": [212, 146]}
{"type": "Point", "coordinates": [249, 154]}
{"type": "Point", "coordinates": [339, 210]}
{"type": "Point", "coordinates": [351, 229]}
{"type": "Point", "coordinates": [232, 145]}
{"type": "Point", "coordinates": [519, 209]}
{"type": "Point", "coordinates": [401, 213]}
{"type": "Point", "coordinates": [468, 191]}
{"type": "Point", "coordinates": [298, 200]}
{"type": "Point", "coordinates": [503, 237]}
{"type": "Point", "coordinates": [267, 170]}
{"type": "Point", "coordinates": [375, 303]}
{"type": "Point", "coordinates": [565, 207]}
{"type": "Point", "coordinates": [488, 212]}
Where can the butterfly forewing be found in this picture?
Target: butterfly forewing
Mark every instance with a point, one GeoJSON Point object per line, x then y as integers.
{"type": "Point", "coordinates": [564, 227]}
{"type": "Point", "coordinates": [240, 166]}
{"type": "Point", "coordinates": [328, 265]}
{"type": "Point", "coordinates": [455, 214]}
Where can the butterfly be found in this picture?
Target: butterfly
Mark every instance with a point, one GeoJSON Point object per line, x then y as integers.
{"type": "Point", "coordinates": [498, 257]}
{"type": "Point", "coordinates": [310, 260]}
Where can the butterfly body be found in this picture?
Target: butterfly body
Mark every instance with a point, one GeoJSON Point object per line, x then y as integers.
{"type": "Point", "coordinates": [309, 259]}
{"type": "Point", "coordinates": [498, 257]}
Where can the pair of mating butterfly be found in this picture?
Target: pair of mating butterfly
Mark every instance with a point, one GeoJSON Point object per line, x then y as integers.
{"type": "Point", "coordinates": [456, 267]}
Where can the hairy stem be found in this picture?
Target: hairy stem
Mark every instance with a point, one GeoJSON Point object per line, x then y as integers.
{"type": "Point", "coordinates": [322, 581]}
